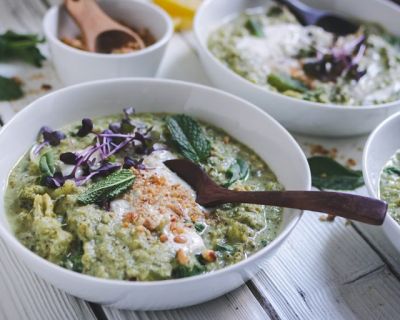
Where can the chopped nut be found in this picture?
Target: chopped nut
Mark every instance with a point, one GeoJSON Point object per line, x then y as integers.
{"type": "Point", "coordinates": [318, 149]}
{"type": "Point", "coordinates": [163, 238]}
{"type": "Point", "coordinates": [226, 139]}
{"type": "Point", "coordinates": [328, 218]}
{"type": "Point", "coordinates": [140, 229]}
{"type": "Point", "coordinates": [179, 230]}
{"type": "Point", "coordinates": [209, 255]}
{"type": "Point", "coordinates": [129, 217]}
{"type": "Point", "coordinates": [46, 86]}
{"type": "Point", "coordinates": [180, 239]}
{"type": "Point", "coordinates": [351, 162]}
{"type": "Point", "coordinates": [182, 257]}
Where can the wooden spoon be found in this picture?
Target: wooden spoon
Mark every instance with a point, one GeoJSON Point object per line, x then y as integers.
{"type": "Point", "coordinates": [326, 20]}
{"type": "Point", "coordinates": [349, 206]}
{"type": "Point", "coordinates": [100, 33]}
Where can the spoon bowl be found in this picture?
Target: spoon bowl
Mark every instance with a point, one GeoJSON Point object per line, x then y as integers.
{"type": "Point", "coordinates": [100, 32]}
{"type": "Point", "coordinates": [311, 16]}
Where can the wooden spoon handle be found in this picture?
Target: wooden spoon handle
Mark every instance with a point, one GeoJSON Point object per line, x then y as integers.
{"type": "Point", "coordinates": [349, 206]}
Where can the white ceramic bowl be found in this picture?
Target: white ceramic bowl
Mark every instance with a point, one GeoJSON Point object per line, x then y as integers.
{"type": "Point", "coordinates": [295, 114]}
{"type": "Point", "coordinates": [239, 118]}
{"type": "Point", "coordinates": [380, 147]}
{"type": "Point", "coordinates": [74, 66]}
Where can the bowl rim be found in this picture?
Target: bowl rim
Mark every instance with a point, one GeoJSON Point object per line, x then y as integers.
{"type": "Point", "coordinates": [365, 160]}
{"type": "Point", "coordinates": [52, 13]}
{"type": "Point", "coordinates": [301, 102]}
{"type": "Point", "coordinates": [11, 240]}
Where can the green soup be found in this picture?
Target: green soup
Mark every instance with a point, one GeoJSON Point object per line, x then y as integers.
{"type": "Point", "coordinates": [96, 198]}
{"type": "Point", "coordinates": [270, 48]}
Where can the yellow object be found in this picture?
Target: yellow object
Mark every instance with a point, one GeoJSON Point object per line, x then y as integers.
{"type": "Point", "coordinates": [181, 11]}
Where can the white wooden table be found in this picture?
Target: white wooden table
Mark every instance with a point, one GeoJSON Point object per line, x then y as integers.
{"type": "Point", "coordinates": [326, 270]}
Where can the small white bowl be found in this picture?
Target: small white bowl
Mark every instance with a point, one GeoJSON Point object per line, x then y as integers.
{"type": "Point", "coordinates": [295, 114]}
{"type": "Point", "coordinates": [239, 118]}
{"type": "Point", "coordinates": [74, 65]}
{"type": "Point", "coordinates": [380, 147]}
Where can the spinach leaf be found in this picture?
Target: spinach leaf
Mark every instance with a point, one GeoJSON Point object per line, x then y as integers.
{"type": "Point", "coordinates": [284, 83]}
{"type": "Point", "coordinates": [392, 170]}
{"type": "Point", "coordinates": [21, 47]}
{"type": "Point", "coordinates": [182, 271]}
{"type": "Point", "coordinates": [10, 89]}
{"type": "Point", "coordinates": [108, 188]}
{"type": "Point", "coordinates": [47, 164]}
{"type": "Point", "coordinates": [189, 137]}
{"type": "Point", "coordinates": [239, 170]}
{"type": "Point", "coordinates": [224, 247]}
{"type": "Point", "coordinates": [199, 227]}
{"type": "Point", "coordinates": [328, 174]}
{"type": "Point", "coordinates": [254, 27]}
{"type": "Point", "coordinates": [274, 11]}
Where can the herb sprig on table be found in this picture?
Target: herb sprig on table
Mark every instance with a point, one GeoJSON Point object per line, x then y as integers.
{"type": "Point", "coordinates": [328, 174]}
{"type": "Point", "coordinates": [10, 89]}
{"type": "Point", "coordinates": [21, 47]}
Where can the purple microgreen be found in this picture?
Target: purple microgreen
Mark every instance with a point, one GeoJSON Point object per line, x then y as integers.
{"type": "Point", "coordinates": [133, 163]}
{"type": "Point", "coordinates": [86, 128]}
{"type": "Point", "coordinates": [338, 61]}
{"type": "Point", "coordinates": [39, 147]}
{"type": "Point", "coordinates": [56, 181]}
{"type": "Point", "coordinates": [129, 111]}
{"type": "Point", "coordinates": [114, 127]}
{"type": "Point", "coordinates": [53, 137]}
{"type": "Point", "coordinates": [69, 158]}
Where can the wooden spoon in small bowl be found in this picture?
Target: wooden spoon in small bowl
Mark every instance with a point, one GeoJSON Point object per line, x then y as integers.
{"type": "Point", "coordinates": [100, 33]}
{"type": "Point", "coordinates": [349, 206]}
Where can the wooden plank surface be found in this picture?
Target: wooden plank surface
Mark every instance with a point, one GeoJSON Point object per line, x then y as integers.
{"type": "Point", "coordinates": [324, 270]}
{"type": "Point", "coordinates": [25, 296]}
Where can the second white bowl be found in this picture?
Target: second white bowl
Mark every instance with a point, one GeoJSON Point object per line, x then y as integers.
{"type": "Point", "coordinates": [74, 65]}
{"type": "Point", "coordinates": [380, 147]}
{"type": "Point", "coordinates": [295, 114]}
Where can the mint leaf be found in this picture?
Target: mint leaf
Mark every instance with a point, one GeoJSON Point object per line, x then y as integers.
{"type": "Point", "coordinates": [254, 27]}
{"type": "Point", "coordinates": [22, 47]}
{"type": "Point", "coordinates": [326, 173]}
{"type": "Point", "coordinates": [284, 83]}
{"type": "Point", "coordinates": [239, 170]}
{"type": "Point", "coordinates": [199, 227]}
{"type": "Point", "coordinates": [224, 247]}
{"type": "Point", "coordinates": [47, 164]}
{"type": "Point", "coordinates": [108, 188]}
{"type": "Point", "coordinates": [392, 170]}
{"type": "Point", "coordinates": [10, 89]}
{"type": "Point", "coordinates": [189, 137]}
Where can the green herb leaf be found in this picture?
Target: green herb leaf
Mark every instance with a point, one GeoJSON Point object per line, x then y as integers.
{"type": "Point", "coordinates": [108, 188]}
{"type": "Point", "coordinates": [225, 248]}
{"type": "Point", "coordinates": [274, 11]}
{"type": "Point", "coordinates": [239, 170]}
{"type": "Point", "coordinates": [21, 47]}
{"type": "Point", "coordinates": [392, 170]}
{"type": "Point", "coordinates": [199, 227]}
{"type": "Point", "coordinates": [10, 89]}
{"type": "Point", "coordinates": [47, 164]}
{"type": "Point", "coordinates": [254, 27]}
{"type": "Point", "coordinates": [189, 137]}
{"type": "Point", "coordinates": [284, 83]}
{"type": "Point", "coordinates": [181, 271]}
{"type": "Point", "coordinates": [328, 174]}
